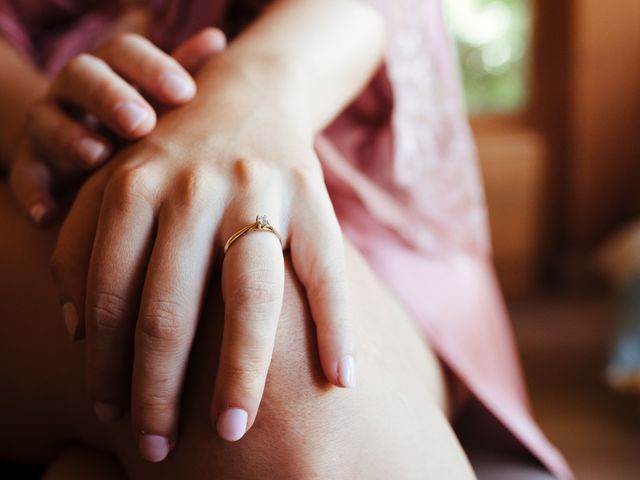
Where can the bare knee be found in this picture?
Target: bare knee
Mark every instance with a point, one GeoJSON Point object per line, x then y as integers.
{"type": "Point", "coordinates": [306, 428]}
{"type": "Point", "coordinates": [300, 417]}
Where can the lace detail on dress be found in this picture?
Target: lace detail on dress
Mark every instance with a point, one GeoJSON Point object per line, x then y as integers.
{"type": "Point", "coordinates": [434, 156]}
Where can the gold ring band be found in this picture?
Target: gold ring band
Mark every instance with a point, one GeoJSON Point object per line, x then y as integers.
{"type": "Point", "coordinates": [260, 225]}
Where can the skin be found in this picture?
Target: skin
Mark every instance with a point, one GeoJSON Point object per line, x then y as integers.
{"type": "Point", "coordinates": [166, 205]}
{"type": "Point", "coordinates": [56, 147]}
{"type": "Point", "coordinates": [157, 209]}
{"type": "Point", "coordinates": [393, 425]}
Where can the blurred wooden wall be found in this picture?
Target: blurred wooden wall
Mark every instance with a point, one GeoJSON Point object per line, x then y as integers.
{"type": "Point", "coordinates": [586, 101]}
{"type": "Point", "coordinates": [565, 173]}
{"type": "Point", "coordinates": [604, 119]}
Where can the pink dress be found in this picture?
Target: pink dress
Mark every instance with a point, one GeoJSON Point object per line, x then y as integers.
{"type": "Point", "coordinates": [400, 167]}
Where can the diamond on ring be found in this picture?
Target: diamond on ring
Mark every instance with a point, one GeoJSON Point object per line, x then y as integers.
{"type": "Point", "coordinates": [261, 224]}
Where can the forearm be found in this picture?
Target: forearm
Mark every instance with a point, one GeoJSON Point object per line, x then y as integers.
{"type": "Point", "coordinates": [20, 85]}
{"type": "Point", "coordinates": [320, 54]}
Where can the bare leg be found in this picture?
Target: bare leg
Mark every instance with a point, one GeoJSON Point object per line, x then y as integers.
{"type": "Point", "coordinates": [392, 425]}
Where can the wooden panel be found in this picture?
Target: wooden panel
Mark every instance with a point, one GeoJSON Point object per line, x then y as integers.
{"type": "Point", "coordinates": [548, 111]}
{"type": "Point", "coordinates": [585, 102]}
{"type": "Point", "coordinates": [513, 160]}
{"type": "Point", "coordinates": [604, 130]}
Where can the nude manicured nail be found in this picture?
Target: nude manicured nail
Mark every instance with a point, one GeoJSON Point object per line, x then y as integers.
{"type": "Point", "coordinates": [153, 448]}
{"type": "Point", "coordinates": [71, 320]}
{"type": "Point", "coordinates": [347, 372]}
{"type": "Point", "coordinates": [232, 424]}
{"type": "Point", "coordinates": [91, 151]}
{"type": "Point", "coordinates": [37, 212]}
{"type": "Point", "coordinates": [176, 86]}
{"type": "Point", "coordinates": [130, 115]}
{"type": "Point", "coordinates": [106, 412]}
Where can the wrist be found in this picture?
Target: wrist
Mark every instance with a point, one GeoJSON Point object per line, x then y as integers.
{"type": "Point", "coordinates": [259, 79]}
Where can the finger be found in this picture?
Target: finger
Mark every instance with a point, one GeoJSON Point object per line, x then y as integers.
{"type": "Point", "coordinates": [31, 182]}
{"type": "Point", "coordinates": [143, 64]}
{"type": "Point", "coordinates": [317, 252]}
{"type": "Point", "coordinates": [252, 288]}
{"type": "Point", "coordinates": [62, 142]}
{"type": "Point", "coordinates": [197, 50]}
{"type": "Point", "coordinates": [118, 263]}
{"type": "Point", "coordinates": [89, 83]}
{"type": "Point", "coordinates": [70, 259]}
{"type": "Point", "coordinates": [171, 301]}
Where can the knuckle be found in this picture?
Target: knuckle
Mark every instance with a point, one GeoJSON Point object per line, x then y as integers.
{"type": "Point", "coordinates": [145, 58]}
{"type": "Point", "coordinates": [76, 66]}
{"type": "Point", "coordinates": [107, 311]}
{"type": "Point", "coordinates": [103, 94]}
{"type": "Point", "coordinates": [118, 44]}
{"type": "Point", "coordinates": [132, 184]}
{"type": "Point", "coordinates": [244, 373]}
{"type": "Point", "coordinates": [329, 273]}
{"type": "Point", "coordinates": [98, 92]}
{"type": "Point", "coordinates": [246, 171]}
{"type": "Point", "coordinates": [154, 406]}
{"type": "Point", "coordinates": [306, 178]}
{"type": "Point", "coordinates": [254, 292]}
{"type": "Point", "coordinates": [75, 71]}
{"type": "Point", "coordinates": [162, 321]}
{"type": "Point", "coordinates": [126, 40]}
{"type": "Point", "coordinates": [193, 188]}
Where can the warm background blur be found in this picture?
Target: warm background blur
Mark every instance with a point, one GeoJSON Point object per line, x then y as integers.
{"type": "Point", "coordinates": [553, 90]}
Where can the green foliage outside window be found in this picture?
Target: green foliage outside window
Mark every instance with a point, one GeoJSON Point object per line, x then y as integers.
{"type": "Point", "coordinates": [492, 38]}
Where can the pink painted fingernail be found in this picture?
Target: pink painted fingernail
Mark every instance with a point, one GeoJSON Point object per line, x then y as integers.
{"type": "Point", "coordinates": [91, 151]}
{"type": "Point", "coordinates": [347, 372]}
{"type": "Point", "coordinates": [106, 412]}
{"type": "Point", "coordinates": [71, 321]}
{"type": "Point", "coordinates": [218, 40]}
{"type": "Point", "coordinates": [232, 424]}
{"type": "Point", "coordinates": [176, 86]}
{"type": "Point", "coordinates": [37, 212]}
{"type": "Point", "coordinates": [130, 115]}
{"type": "Point", "coordinates": [153, 448]}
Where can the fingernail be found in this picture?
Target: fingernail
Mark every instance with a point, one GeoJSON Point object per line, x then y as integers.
{"type": "Point", "coordinates": [232, 424]}
{"type": "Point", "coordinates": [176, 86]}
{"type": "Point", "coordinates": [347, 372]}
{"type": "Point", "coordinates": [130, 115]}
{"type": "Point", "coordinates": [70, 315]}
{"type": "Point", "coordinates": [37, 212]}
{"type": "Point", "coordinates": [90, 150]}
{"type": "Point", "coordinates": [153, 448]}
{"type": "Point", "coordinates": [218, 40]}
{"type": "Point", "coordinates": [106, 412]}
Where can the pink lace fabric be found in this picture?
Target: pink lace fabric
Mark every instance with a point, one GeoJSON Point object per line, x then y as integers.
{"type": "Point", "coordinates": [400, 167]}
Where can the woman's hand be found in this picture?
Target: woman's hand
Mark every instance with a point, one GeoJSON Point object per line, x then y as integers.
{"type": "Point", "coordinates": [147, 229]}
{"type": "Point", "coordinates": [94, 92]}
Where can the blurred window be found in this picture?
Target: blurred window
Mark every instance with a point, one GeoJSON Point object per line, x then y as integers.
{"type": "Point", "coordinates": [492, 38]}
